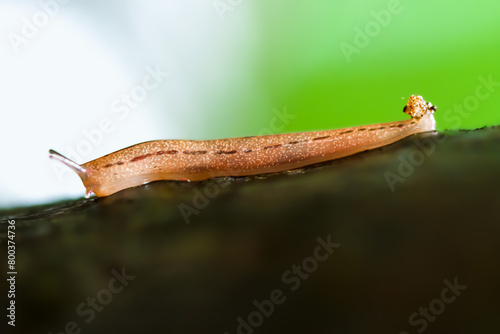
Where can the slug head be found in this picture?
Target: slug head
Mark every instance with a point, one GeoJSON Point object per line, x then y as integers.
{"type": "Point", "coordinates": [417, 107]}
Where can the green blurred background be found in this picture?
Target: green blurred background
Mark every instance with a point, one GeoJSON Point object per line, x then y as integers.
{"type": "Point", "coordinates": [434, 49]}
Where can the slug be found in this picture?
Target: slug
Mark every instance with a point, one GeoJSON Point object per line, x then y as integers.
{"type": "Point", "coordinates": [194, 160]}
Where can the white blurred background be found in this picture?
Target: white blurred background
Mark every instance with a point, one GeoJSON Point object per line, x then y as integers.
{"type": "Point", "coordinates": [67, 69]}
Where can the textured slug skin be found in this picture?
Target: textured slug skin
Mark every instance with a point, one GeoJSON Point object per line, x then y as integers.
{"type": "Point", "coordinates": [198, 160]}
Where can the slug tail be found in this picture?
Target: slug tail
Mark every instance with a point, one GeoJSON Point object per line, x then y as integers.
{"type": "Point", "coordinates": [82, 172]}
{"type": "Point", "coordinates": [417, 107]}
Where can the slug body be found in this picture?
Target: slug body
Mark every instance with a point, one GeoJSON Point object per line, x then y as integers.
{"type": "Point", "coordinates": [193, 160]}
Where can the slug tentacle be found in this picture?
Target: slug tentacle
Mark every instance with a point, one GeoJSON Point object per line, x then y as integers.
{"type": "Point", "coordinates": [83, 173]}
{"type": "Point", "coordinates": [197, 160]}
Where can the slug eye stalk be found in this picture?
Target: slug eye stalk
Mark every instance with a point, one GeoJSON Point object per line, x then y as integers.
{"type": "Point", "coordinates": [83, 173]}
